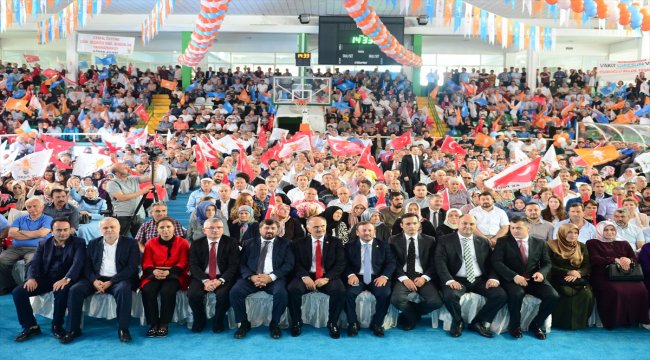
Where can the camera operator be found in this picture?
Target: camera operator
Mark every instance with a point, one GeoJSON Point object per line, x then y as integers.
{"type": "Point", "coordinates": [125, 195]}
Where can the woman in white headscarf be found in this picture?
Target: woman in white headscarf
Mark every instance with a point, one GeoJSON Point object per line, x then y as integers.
{"type": "Point", "coordinates": [450, 225]}
{"type": "Point", "coordinates": [620, 303]}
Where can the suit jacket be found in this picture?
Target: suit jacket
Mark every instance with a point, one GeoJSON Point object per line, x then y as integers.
{"type": "Point", "coordinates": [74, 255]}
{"type": "Point", "coordinates": [231, 204]}
{"type": "Point", "coordinates": [407, 168]}
{"type": "Point", "coordinates": [383, 261]}
{"type": "Point", "coordinates": [442, 214]}
{"type": "Point", "coordinates": [227, 258]}
{"type": "Point", "coordinates": [127, 260]}
{"type": "Point", "coordinates": [507, 261]}
{"type": "Point", "coordinates": [449, 257]}
{"type": "Point", "coordinates": [426, 249]}
{"type": "Point", "coordinates": [333, 257]}
{"type": "Point", "coordinates": [283, 259]}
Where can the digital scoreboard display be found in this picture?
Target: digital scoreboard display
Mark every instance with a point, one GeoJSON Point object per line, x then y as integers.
{"type": "Point", "coordinates": [340, 42]}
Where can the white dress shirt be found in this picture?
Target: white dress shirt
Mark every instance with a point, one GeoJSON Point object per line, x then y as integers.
{"type": "Point", "coordinates": [363, 252]}
{"type": "Point", "coordinates": [477, 269]}
{"type": "Point", "coordinates": [216, 251]}
{"type": "Point", "coordinates": [268, 263]}
{"type": "Point", "coordinates": [418, 263]}
{"type": "Point", "coordinates": [313, 254]}
{"type": "Point", "coordinates": [109, 267]}
{"type": "Point", "coordinates": [525, 243]}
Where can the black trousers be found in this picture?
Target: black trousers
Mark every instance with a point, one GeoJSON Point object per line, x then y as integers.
{"type": "Point", "coordinates": [244, 287]}
{"type": "Point", "coordinates": [543, 291]}
{"type": "Point", "coordinates": [24, 307]}
{"type": "Point", "coordinates": [413, 311]}
{"type": "Point", "coordinates": [167, 289]}
{"type": "Point", "coordinates": [129, 226]}
{"type": "Point", "coordinates": [495, 298]}
{"type": "Point", "coordinates": [196, 294]}
{"type": "Point", "coordinates": [121, 291]}
{"type": "Point", "coordinates": [334, 289]}
{"type": "Point", "coordinates": [382, 297]}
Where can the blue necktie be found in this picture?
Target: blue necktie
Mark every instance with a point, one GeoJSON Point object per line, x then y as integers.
{"type": "Point", "coordinates": [367, 264]}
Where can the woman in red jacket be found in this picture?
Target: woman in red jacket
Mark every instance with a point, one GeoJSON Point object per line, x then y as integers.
{"type": "Point", "coordinates": [165, 265]}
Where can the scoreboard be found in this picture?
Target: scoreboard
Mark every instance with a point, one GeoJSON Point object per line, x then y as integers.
{"type": "Point", "coordinates": [340, 42]}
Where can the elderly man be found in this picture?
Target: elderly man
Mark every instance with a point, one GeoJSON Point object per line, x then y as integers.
{"type": "Point", "coordinates": [60, 208]}
{"type": "Point", "coordinates": [608, 206]}
{"type": "Point", "coordinates": [126, 194]}
{"type": "Point", "coordinates": [111, 268]}
{"type": "Point", "coordinates": [148, 229]}
{"type": "Point", "coordinates": [26, 231]}
{"type": "Point", "coordinates": [205, 190]}
{"type": "Point", "coordinates": [342, 200]}
{"type": "Point", "coordinates": [458, 197]}
{"type": "Point", "coordinates": [626, 231]}
{"type": "Point", "coordinates": [57, 264]}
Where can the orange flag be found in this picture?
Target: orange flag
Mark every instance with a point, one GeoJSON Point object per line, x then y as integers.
{"type": "Point", "coordinates": [618, 105]}
{"type": "Point", "coordinates": [18, 105]}
{"type": "Point", "coordinates": [434, 93]}
{"type": "Point", "coordinates": [568, 108]}
{"type": "Point", "coordinates": [243, 96]}
{"type": "Point", "coordinates": [448, 11]}
{"type": "Point", "coordinates": [627, 118]}
{"type": "Point", "coordinates": [170, 85]}
{"type": "Point", "coordinates": [598, 156]}
{"type": "Point", "coordinates": [484, 140]}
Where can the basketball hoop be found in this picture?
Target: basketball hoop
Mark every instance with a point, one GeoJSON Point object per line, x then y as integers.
{"type": "Point", "coordinates": [299, 106]}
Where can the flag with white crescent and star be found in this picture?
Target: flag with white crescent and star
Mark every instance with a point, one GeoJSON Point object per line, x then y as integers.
{"type": "Point", "coordinates": [515, 177]}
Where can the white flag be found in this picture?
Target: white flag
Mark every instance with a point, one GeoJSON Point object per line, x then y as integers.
{"type": "Point", "coordinates": [278, 134]}
{"type": "Point", "coordinates": [644, 161]}
{"type": "Point", "coordinates": [31, 166]}
{"type": "Point", "coordinates": [550, 158]}
{"type": "Point", "coordinates": [86, 164]}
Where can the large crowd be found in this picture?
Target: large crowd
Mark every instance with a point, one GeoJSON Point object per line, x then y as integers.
{"type": "Point", "coordinates": [423, 222]}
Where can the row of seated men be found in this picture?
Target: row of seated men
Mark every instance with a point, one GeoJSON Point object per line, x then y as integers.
{"type": "Point", "coordinates": [392, 271]}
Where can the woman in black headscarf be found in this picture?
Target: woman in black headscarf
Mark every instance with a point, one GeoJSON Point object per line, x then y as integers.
{"type": "Point", "coordinates": [336, 225]}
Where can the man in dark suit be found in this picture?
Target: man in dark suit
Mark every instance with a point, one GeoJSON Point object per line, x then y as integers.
{"type": "Point", "coordinates": [57, 262]}
{"type": "Point", "coordinates": [523, 263]}
{"type": "Point", "coordinates": [265, 264]}
{"type": "Point", "coordinates": [214, 264]}
{"type": "Point", "coordinates": [434, 213]}
{"type": "Point", "coordinates": [410, 169]}
{"type": "Point", "coordinates": [111, 268]}
{"type": "Point", "coordinates": [415, 271]}
{"type": "Point", "coordinates": [462, 264]}
{"type": "Point", "coordinates": [224, 202]}
{"type": "Point", "coordinates": [320, 261]}
{"type": "Point", "coordinates": [370, 265]}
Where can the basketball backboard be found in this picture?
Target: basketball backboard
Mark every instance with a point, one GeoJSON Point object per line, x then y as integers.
{"type": "Point", "coordinates": [291, 90]}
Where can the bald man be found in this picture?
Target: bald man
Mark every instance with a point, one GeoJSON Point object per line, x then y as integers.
{"type": "Point", "coordinates": [111, 268]}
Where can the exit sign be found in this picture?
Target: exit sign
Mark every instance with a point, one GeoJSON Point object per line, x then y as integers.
{"type": "Point", "coordinates": [303, 59]}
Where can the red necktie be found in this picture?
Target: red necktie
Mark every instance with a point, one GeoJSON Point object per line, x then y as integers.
{"type": "Point", "coordinates": [212, 264]}
{"type": "Point", "coordinates": [522, 250]}
{"type": "Point", "coordinates": [319, 260]}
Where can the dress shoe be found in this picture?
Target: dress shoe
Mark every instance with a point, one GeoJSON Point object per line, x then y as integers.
{"type": "Point", "coordinates": [456, 329]}
{"type": "Point", "coordinates": [5, 291]}
{"type": "Point", "coordinates": [28, 333]}
{"type": "Point", "coordinates": [296, 329]}
{"type": "Point", "coordinates": [162, 332]}
{"type": "Point", "coordinates": [353, 329]}
{"type": "Point", "coordinates": [516, 333]}
{"type": "Point", "coordinates": [69, 336]}
{"type": "Point", "coordinates": [275, 331]}
{"type": "Point", "coordinates": [243, 329]}
{"type": "Point", "coordinates": [481, 329]}
{"type": "Point", "coordinates": [377, 330]}
{"type": "Point", "coordinates": [197, 328]}
{"type": "Point", "coordinates": [58, 332]}
{"type": "Point", "coordinates": [124, 335]}
{"type": "Point", "coordinates": [335, 332]}
{"type": "Point", "coordinates": [218, 328]}
{"type": "Point", "coordinates": [537, 332]}
{"type": "Point", "coordinates": [152, 332]}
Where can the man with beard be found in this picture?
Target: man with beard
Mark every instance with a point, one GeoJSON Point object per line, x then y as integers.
{"type": "Point", "coordinates": [125, 195]}
{"type": "Point", "coordinates": [395, 210]}
{"type": "Point", "coordinates": [626, 231]}
{"type": "Point", "coordinates": [539, 227]}
{"type": "Point", "coordinates": [59, 208]}
{"type": "Point", "coordinates": [491, 222]}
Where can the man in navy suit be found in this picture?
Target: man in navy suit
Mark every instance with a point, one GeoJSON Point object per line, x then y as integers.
{"type": "Point", "coordinates": [523, 263]}
{"type": "Point", "coordinates": [111, 268]}
{"type": "Point", "coordinates": [320, 261]}
{"type": "Point", "coordinates": [265, 264]}
{"type": "Point", "coordinates": [57, 263]}
{"type": "Point", "coordinates": [462, 263]}
{"type": "Point", "coordinates": [370, 265]}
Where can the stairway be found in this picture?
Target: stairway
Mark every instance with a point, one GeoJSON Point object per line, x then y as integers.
{"type": "Point", "coordinates": [159, 107]}
{"type": "Point", "coordinates": [439, 125]}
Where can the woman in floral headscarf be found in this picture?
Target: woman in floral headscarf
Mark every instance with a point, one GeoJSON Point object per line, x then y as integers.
{"type": "Point", "coordinates": [239, 226]}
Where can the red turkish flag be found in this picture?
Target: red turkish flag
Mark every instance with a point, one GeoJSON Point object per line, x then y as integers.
{"type": "Point", "coordinates": [243, 165]}
{"type": "Point", "coordinates": [111, 149]}
{"type": "Point", "coordinates": [515, 177]}
{"type": "Point", "coordinates": [368, 161]}
{"type": "Point", "coordinates": [270, 154]}
{"type": "Point", "coordinates": [261, 138]}
{"type": "Point", "coordinates": [401, 141]}
{"type": "Point", "coordinates": [31, 58]}
{"type": "Point", "coordinates": [200, 160]}
{"type": "Point", "coordinates": [142, 113]}
{"type": "Point", "coordinates": [49, 73]}
{"type": "Point", "coordinates": [342, 147]}
{"type": "Point", "coordinates": [445, 199]}
{"type": "Point", "coordinates": [451, 146]}
{"type": "Point", "coordinates": [479, 126]}
{"type": "Point", "coordinates": [49, 142]}
{"type": "Point", "coordinates": [271, 207]}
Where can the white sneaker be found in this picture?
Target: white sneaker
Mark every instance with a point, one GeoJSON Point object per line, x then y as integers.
{"type": "Point", "coordinates": [646, 326]}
